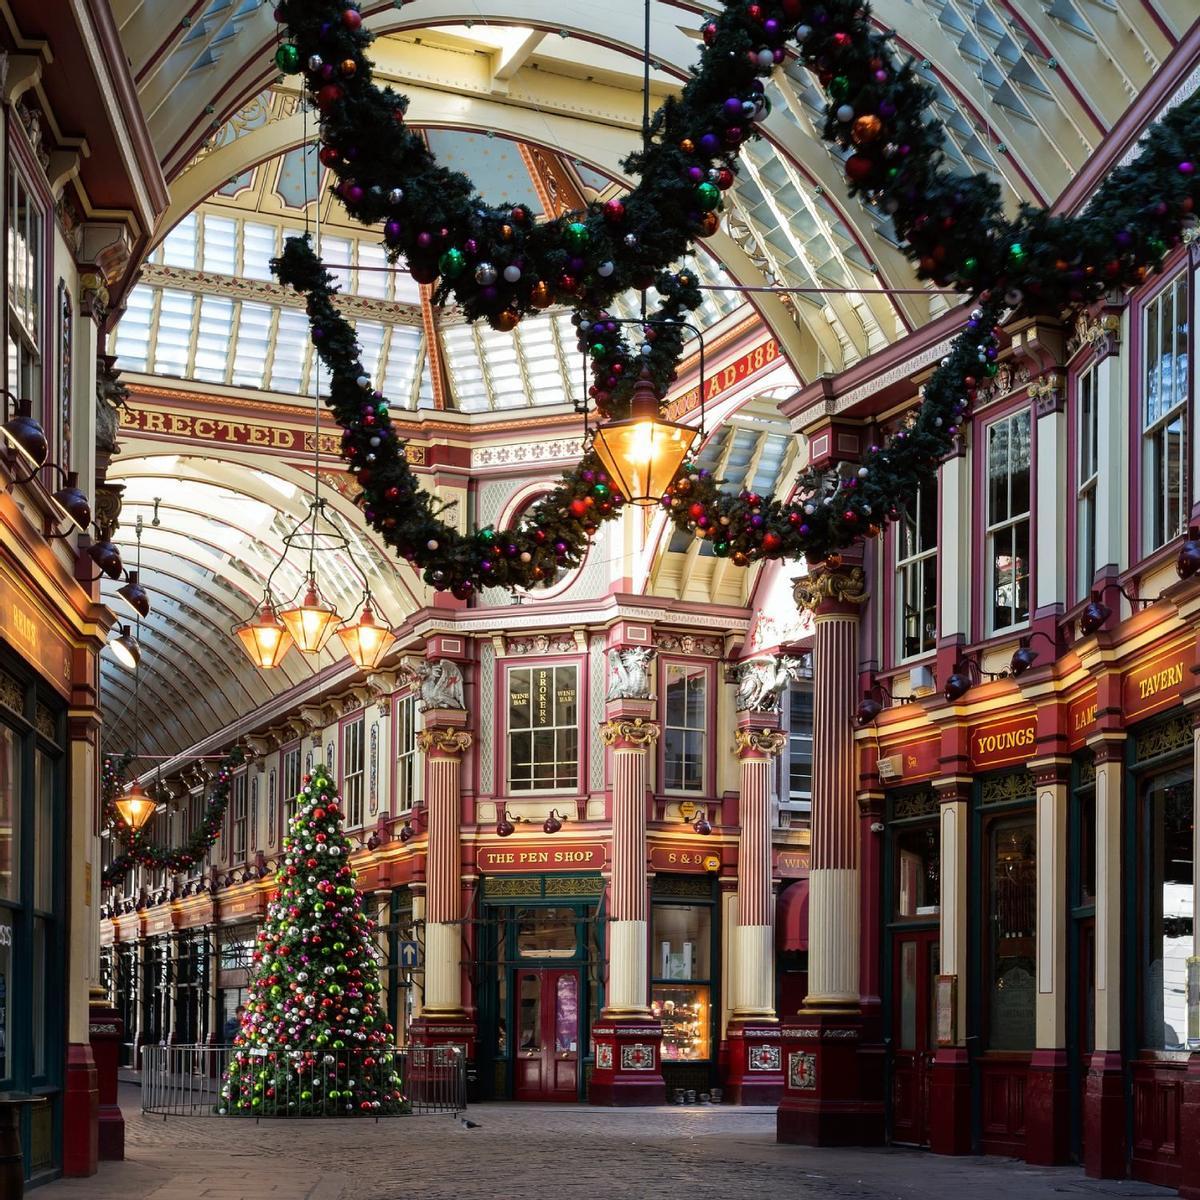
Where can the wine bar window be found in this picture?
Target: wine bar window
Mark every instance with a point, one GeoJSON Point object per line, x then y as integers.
{"type": "Point", "coordinates": [681, 996]}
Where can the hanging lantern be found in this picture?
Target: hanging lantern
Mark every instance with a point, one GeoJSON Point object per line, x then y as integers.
{"type": "Point", "coordinates": [643, 452]}
{"type": "Point", "coordinates": [367, 641]}
{"type": "Point", "coordinates": [126, 649]}
{"type": "Point", "coordinates": [265, 638]}
{"type": "Point", "coordinates": [312, 623]}
{"type": "Point", "coordinates": [134, 807]}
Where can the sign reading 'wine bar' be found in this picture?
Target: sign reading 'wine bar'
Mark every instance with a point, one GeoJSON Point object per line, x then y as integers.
{"type": "Point", "coordinates": [1010, 740]}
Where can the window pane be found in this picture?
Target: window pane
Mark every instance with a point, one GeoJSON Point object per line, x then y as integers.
{"type": "Point", "coordinates": [917, 866]}
{"type": "Point", "coordinates": [44, 840]}
{"type": "Point", "coordinates": [220, 245]}
{"type": "Point", "coordinates": [686, 1020]}
{"type": "Point", "coordinates": [1167, 877]}
{"type": "Point", "coordinates": [1012, 933]}
{"type": "Point", "coordinates": [681, 942]}
{"type": "Point", "coordinates": [10, 815]}
{"type": "Point", "coordinates": [6, 990]}
{"type": "Point", "coordinates": [40, 995]}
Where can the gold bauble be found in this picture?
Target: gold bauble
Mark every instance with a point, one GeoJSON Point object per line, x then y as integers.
{"type": "Point", "coordinates": [866, 129]}
{"type": "Point", "coordinates": [540, 295]}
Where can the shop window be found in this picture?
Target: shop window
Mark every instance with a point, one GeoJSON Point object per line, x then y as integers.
{"type": "Point", "coordinates": [406, 753]}
{"type": "Point", "coordinates": [917, 863]}
{"type": "Point", "coordinates": [26, 255]}
{"type": "Point", "coordinates": [1087, 473]}
{"type": "Point", "coordinates": [239, 820]}
{"type": "Point", "coordinates": [916, 572]}
{"type": "Point", "coordinates": [800, 748]}
{"type": "Point", "coordinates": [543, 729]}
{"type": "Point", "coordinates": [1010, 932]}
{"type": "Point", "coordinates": [1008, 505]}
{"type": "Point", "coordinates": [681, 994]}
{"type": "Point", "coordinates": [547, 933]}
{"type": "Point", "coordinates": [1168, 874]}
{"type": "Point", "coordinates": [1164, 414]}
{"type": "Point", "coordinates": [686, 687]}
{"type": "Point", "coordinates": [353, 761]}
{"type": "Point", "coordinates": [291, 784]}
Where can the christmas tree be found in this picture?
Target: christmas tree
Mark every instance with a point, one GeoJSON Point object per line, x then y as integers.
{"type": "Point", "coordinates": [313, 1041]}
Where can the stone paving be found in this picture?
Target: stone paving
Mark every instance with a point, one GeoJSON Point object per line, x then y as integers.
{"type": "Point", "coordinates": [535, 1152]}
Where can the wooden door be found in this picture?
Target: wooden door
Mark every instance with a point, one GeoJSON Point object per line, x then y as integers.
{"type": "Point", "coordinates": [547, 1049]}
{"type": "Point", "coordinates": [914, 1033]}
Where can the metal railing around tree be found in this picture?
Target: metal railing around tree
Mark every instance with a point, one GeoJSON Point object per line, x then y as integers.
{"type": "Point", "coordinates": [189, 1081]}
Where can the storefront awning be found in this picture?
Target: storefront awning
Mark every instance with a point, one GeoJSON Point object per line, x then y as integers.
{"type": "Point", "coordinates": [791, 917]}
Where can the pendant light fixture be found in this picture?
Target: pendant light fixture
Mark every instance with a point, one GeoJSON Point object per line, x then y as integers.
{"type": "Point", "coordinates": [134, 806]}
{"type": "Point", "coordinates": [643, 452]}
{"type": "Point", "coordinates": [136, 596]}
{"type": "Point", "coordinates": [366, 640]}
{"type": "Point", "coordinates": [126, 650]}
{"type": "Point", "coordinates": [264, 637]}
{"type": "Point", "coordinates": [312, 622]}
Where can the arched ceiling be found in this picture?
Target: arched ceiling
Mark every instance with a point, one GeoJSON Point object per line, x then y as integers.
{"type": "Point", "coordinates": [219, 534]}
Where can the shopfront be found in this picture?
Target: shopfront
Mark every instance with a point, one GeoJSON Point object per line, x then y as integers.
{"type": "Point", "coordinates": [1159, 906]}
{"type": "Point", "coordinates": [911, 895]}
{"type": "Point", "coordinates": [235, 959]}
{"type": "Point", "coordinates": [33, 845]}
{"type": "Point", "coordinates": [539, 965]}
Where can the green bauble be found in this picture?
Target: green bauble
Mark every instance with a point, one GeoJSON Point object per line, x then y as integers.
{"type": "Point", "coordinates": [452, 262]}
{"type": "Point", "coordinates": [577, 235]}
{"type": "Point", "coordinates": [708, 196]}
{"type": "Point", "coordinates": [287, 58]}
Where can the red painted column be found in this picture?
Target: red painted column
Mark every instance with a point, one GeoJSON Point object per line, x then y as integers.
{"type": "Point", "coordinates": [754, 1036]}
{"type": "Point", "coordinates": [824, 1101]}
{"type": "Point", "coordinates": [443, 1018]}
{"type": "Point", "coordinates": [628, 1040]}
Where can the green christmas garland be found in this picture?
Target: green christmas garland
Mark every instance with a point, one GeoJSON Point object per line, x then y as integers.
{"type": "Point", "coordinates": [138, 850]}
{"type": "Point", "coordinates": [498, 264]}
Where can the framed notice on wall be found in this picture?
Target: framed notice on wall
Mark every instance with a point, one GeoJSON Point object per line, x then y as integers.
{"type": "Point", "coordinates": [947, 1010]}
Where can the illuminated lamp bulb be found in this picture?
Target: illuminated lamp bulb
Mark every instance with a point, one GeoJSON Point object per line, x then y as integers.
{"type": "Point", "coordinates": [265, 638]}
{"type": "Point", "coordinates": [367, 641]}
{"type": "Point", "coordinates": [126, 649]}
{"type": "Point", "coordinates": [643, 452]}
{"type": "Point", "coordinates": [311, 623]}
{"type": "Point", "coordinates": [134, 807]}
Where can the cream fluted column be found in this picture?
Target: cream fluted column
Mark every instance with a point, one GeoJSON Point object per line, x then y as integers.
{"type": "Point", "coordinates": [754, 991]}
{"type": "Point", "coordinates": [835, 598]}
{"type": "Point", "coordinates": [443, 748]}
{"type": "Point", "coordinates": [628, 931]}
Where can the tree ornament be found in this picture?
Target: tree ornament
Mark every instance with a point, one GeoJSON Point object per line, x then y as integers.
{"type": "Point", "coordinates": [577, 235]}
{"type": "Point", "coordinates": [287, 58]}
{"type": "Point", "coordinates": [708, 196]}
{"type": "Point", "coordinates": [485, 274]}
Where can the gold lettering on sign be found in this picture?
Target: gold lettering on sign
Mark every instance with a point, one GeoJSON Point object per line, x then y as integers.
{"type": "Point", "coordinates": [1012, 739]}
{"type": "Point", "coordinates": [24, 627]}
{"type": "Point", "coordinates": [1170, 676]}
{"type": "Point", "coordinates": [1084, 718]}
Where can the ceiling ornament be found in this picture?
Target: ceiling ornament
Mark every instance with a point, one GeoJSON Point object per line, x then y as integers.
{"type": "Point", "coordinates": [498, 264]}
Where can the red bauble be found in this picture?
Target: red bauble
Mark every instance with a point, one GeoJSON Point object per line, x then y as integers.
{"type": "Point", "coordinates": [330, 156]}
{"type": "Point", "coordinates": [579, 507]}
{"type": "Point", "coordinates": [859, 168]}
{"type": "Point", "coordinates": [696, 510]}
{"type": "Point", "coordinates": [351, 18]}
{"type": "Point", "coordinates": [771, 542]}
{"type": "Point", "coordinates": [710, 33]}
{"type": "Point", "coordinates": [328, 96]}
{"type": "Point", "coordinates": [614, 211]}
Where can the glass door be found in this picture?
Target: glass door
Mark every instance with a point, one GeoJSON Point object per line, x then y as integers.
{"type": "Point", "coordinates": [547, 1050]}
{"type": "Point", "coordinates": [914, 1021]}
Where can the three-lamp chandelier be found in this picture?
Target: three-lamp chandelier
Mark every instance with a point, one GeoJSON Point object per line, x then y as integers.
{"type": "Point", "coordinates": [308, 621]}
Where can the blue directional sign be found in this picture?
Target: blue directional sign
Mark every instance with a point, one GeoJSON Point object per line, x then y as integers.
{"type": "Point", "coordinates": [410, 955]}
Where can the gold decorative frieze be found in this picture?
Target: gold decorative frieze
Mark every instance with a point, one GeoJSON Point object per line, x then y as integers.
{"type": "Point", "coordinates": [636, 732]}
{"type": "Point", "coordinates": [444, 741]}
{"type": "Point", "coordinates": [840, 585]}
{"type": "Point", "coordinates": [758, 741]}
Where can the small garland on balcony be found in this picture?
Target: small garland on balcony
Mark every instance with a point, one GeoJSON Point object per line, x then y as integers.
{"type": "Point", "coordinates": [498, 264]}
{"type": "Point", "coordinates": [137, 850]}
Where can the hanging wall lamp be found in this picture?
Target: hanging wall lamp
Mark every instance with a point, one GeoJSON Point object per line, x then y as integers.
{"type": "Point", "coordinates": [554, 822]}
{"type": "Point", "coordinates": [125, 649]}
{"type": "Point", "coordinates": [106, 556]}
{"type": "Point", "coordinates": [135, 807]}
{"type": "Point", "coordinates": [1024, 656]}
{"type": "Point", "coordinates": [136, 596]}
{"type": "Point", "coordinates": [870, 706]}
{"type": "Point", "coordinates": [71, 503]}
{"type": "Point", "coordinates": [1188, 562]}
{"type": "Point", "coordinates": [25, 437]}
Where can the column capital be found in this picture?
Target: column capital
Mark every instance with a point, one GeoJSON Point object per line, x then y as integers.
{"type": "Point", "coordinates": [444, 740]}
{"type": "Point", "coordinates": [1050, 771]}
{"type": "Point", "coordinates": [953, 789]}
{"type": "Point", "coordinates": [626, 735]}
{"type": "Point", "coordinates": [1108, 747]}
{"type": "Point", "coordinates": [749, 743]}
{"type": "Point", "coordinates": [831, 590]}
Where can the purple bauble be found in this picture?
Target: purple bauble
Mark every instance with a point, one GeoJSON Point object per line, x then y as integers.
{"type": "Point", "coordinates": [424, 239]}
{"type": "Point", "coordinates": [353, 193]}
{"type": "Point", "coordinates": [710, 143]}
{"type": "Point", "coordinates": [695, 174]}
{"type": "Point", "coordinates": [392, 230]}
{"type": "Point", "coordinates": [733, 108]}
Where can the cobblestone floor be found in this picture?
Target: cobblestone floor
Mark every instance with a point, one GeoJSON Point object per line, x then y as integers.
{"type": "Point", "coordinates": [536, 1151]}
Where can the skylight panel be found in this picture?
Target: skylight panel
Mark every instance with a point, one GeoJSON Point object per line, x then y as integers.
{"type": "Point", "coordinates": [133, 331]}
{"type": "Point", "coordinates": [220, 244]}
{"type": "Point", "coordinates": [213, 331]}
{"type": "Point", "coordinates": [253, 345]}
{"type": "Point", "coordinates": [403, 354]}
{"type": "Point", "coordinates": [179, 246]}
{"type": "Point", "coordinates": [174, 332]}
{"type": "Point", "coordinates": [291, 348]}
{"type": "Point", "coordinates": [258, 248]}
{"type": "Point", "coordinates": [370, 343]}
{"type": "Point", "coordinates": [336, 250]}
{"type": "Point", "coordinates": [373, 283]}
